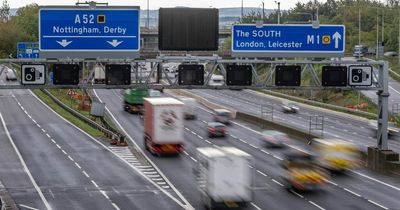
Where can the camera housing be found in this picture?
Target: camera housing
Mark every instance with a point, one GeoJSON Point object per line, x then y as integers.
{"type": "Point", "coordinates": [34, 74]}
{"type": "Point", "coordinates": [360, 75]}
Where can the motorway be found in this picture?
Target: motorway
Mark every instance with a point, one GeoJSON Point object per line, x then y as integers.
{"type": "Point", "coordinates": [46, 163]}
{"type": "Point", "coordinates": [336, 125]}
{"type": "Point", "coordinates": [359, 189]}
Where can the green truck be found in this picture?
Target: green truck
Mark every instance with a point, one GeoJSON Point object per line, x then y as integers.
{"type": "Point", "coordinates": [133, 100]}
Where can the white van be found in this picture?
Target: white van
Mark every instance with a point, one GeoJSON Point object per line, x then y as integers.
{"type": "Point", "coordinates": [216, 80]}
{"type": "Point", "coordinates": [190, 107]}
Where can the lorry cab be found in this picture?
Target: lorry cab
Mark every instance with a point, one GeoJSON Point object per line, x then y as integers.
{"type": "Point", "coordinates": [302, 172]}
{"type": "Point", "coordinates": [336, 154]}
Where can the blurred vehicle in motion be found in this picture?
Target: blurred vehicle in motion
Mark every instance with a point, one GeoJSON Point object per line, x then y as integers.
{"type": "Point", "coordinates": [360, 50]}
{"type": "Point", "coordinates": [302, 171]}
{"type": "Point", "coordinates": [190, 108]}
{"type": "Point", "coordinates": [154, 93]}
{"type": "Point", "coordinates": [222, 115]}
{"type": "Point", "coordinates": [216, 80]}
{"type": "Point", "coordinates": [290, 107]}
{"type": "Point", "coordinates": [216, 129]}
{"type": "Point", "coordinates": [133, 100]}
{"type": "Point", "coordinates": [99, 75]}
{"type": "Point", "coordinates": [390, 54]}
{"type": "Point", "coordinates": [224, 177]}
{"type": "Point", "coordinates": [393, 130]}
{"type": "Point", "coordinates": [336, 154]}
{"type": "Point", "coordinates": [163, 126]}
{"type": "Point", "coordinates": [10, 75]}
{"type": "Point", "coordinates": [273, 138]}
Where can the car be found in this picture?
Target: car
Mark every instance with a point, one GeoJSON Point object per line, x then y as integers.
{"type": "Point", "coordinates": [223, 116]}
{"type": "Point", "coordinates": [273, 138]}
{"type": "Point", "coordinates": [10, 76]}
{"type": "Point", "coordinates": [216, 129]}
{"type": "Point", "coordinates": [216, 80]}
{"type": "Point", "coordinates": [290, 107]}
{"type": "Point", "coordinates": [390, 54]}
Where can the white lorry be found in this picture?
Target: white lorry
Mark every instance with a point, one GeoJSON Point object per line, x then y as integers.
{"type": "Point", "coordinates": [163, 125]}
{"type": "Point", "coordinates": [224, 177]}
{"type": "Point", "coordinates": [99, 75]}
{"type": "Point", "coordinates": [190, 107]}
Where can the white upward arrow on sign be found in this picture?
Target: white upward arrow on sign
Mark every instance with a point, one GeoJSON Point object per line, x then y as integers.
{"type": "Point", "coordinates": [64, 42]}
{"type": "Point", "coordinates": [336, 37]}
{"type": "Point", "coordinates": [115, 42]}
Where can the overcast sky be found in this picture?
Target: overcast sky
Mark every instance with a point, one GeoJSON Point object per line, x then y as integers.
{"type": "Point", "coordinates": [155, 4]}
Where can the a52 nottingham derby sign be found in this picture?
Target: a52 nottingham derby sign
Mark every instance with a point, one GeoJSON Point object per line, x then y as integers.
{"type": "Point", "coordinates": [78, 29]}
{"type": "Point", "coordinates": [288, 40]}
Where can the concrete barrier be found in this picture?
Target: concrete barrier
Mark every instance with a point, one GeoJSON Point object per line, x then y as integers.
{"type": "Point", "coordinates": [383, 160]}
{"type": "Point", "coordinates": [294, 132]}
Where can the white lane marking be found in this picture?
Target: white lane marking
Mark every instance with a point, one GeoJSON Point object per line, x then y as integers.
{"type": "Point", "coordinates": [253, 146]}
{"type": "Point", "coordinates": [28, 207]}
{"type": "Point", "coordinates": [193, 159]}
{"type": "Point", "coordinates": [373, 179]}
{"type": "Point", "coordinates": [352, 192]}
{"type": "Point", "coordinates": [77, 165]}
{"type": "Point", "coordinates": [70, 158]}
{"type": "Point", "coordinates": [394, 89]}
{"type": "Point", "coordinates": [64, 152]}
{"type": "Point", "coordinates": [294, 192]}
{"type": "Point", "coordinates": [87, 175]}
{"type": "Point", "coordinates": [34, 121]}
{"type": "Point", "coordinates": [265, 152]}
{"type": "Point", "coordinates": [184, 152]}
{"type": "Point", "coordinates": [38, 125]}
{"type": "Point", "coordinates": [94, 183]}
{"type": "Point", "coordinates": [255, 206]}
{"type": "Point", "coordinates": [207, 141]}
{"type": "Point", "coordinates": [235, 137]}
{"type": "Point", "coordinates": [377, 204]}
{"type": "Point", "coordinates": [48, 136]}
{"type": "Point", "coordinates": [186, 204]}
{"type": "Point", "coordinates": [330, 182]}
{"type": "Point", "coordinates": [59, 147]}
{"type": "Point", "coordinates": [115, 206]}
{"type": "Point", "coordinates": [261, 173]}
{"type": "Point", "coordinates": [21, 159]}
{"type": "Point", "coordinates": [44, 131]}
{"type": "Point", "coordinates": [105, 194]}
{"type": "Point", "coordinates": [279, 158]}
{"type": "Point", "coordinates": [278, 183]}
{"type": "Point", "coordinates": [200, 137]}
{"type": "Point", "coordinates": [53, 141]}
{"type": "Point", "coordinates": [316, 205]}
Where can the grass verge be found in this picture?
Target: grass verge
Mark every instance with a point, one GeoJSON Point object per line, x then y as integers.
{"type": "Point", "coordinates": [47, 100]}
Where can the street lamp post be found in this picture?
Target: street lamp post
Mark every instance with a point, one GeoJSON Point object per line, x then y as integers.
{"type": "Point", "coordinates": [242, 12]}
{"type": "Point", "coordinates": [148, 14]}
{"type": "Point", "coordinates": [279, 11]}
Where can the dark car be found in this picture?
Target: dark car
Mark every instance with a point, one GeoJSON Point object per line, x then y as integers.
{"type": "Point", "coordinates": [216, 129]}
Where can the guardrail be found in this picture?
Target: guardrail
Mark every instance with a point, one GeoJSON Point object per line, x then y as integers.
{"type": "Point", "coordinates": [394, 74]}
{"type": "Point", "coordinates": [6, 201]}
{"type": "Point", "coordinates": [113, 135]}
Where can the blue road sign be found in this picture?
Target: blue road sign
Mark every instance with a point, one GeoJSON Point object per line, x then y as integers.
{"type": "Point", "coordinates": [288, 40]}
{"type": "Point", "coordinates": [82, 29]}
{"type": "Point", "coordinates": [27, 50]}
